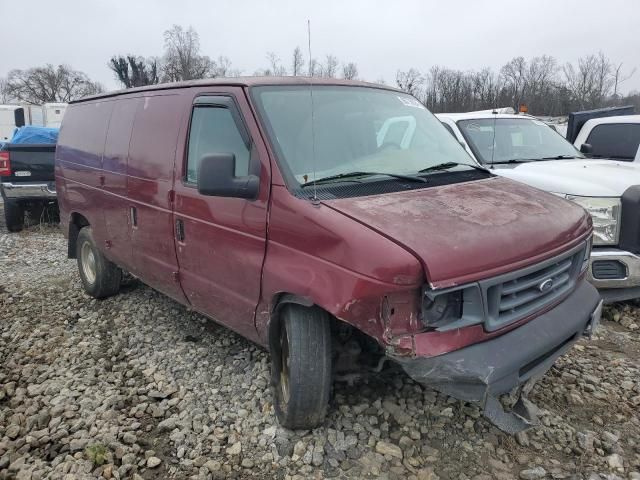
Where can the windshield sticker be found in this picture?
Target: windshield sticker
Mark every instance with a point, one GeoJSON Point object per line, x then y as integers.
{"type": "Point", "coordinates": [410, 102]}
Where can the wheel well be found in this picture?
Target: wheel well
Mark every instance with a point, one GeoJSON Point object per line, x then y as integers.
{"type": "Point", "coordinates": [76, 223]}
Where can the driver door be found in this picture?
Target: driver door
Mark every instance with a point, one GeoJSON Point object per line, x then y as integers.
{"type": "Point", "coordinates": [220, 242]}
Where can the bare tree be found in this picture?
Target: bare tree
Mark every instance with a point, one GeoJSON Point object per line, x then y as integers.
{"type": "Point", "coordinates": [410, 81]}
{"type": "Point", "coordinates": [49, 84]}
{"type": "Point", "coordinates": [4, 95]}
{"type": "Point", "coordinates": [275, 68]}
{"type": "Point", "coordinates": [514, 74]}
{"type": "Point", "coordinates": [182, 59]}
{"type": "Point", "coordinates": [315, 69]}
{"type": "Point", "coordinates": [134, 71]}
{"type": "Point", "coordinates": [591, 82]}
{"type": "Point", "coordinates": [330, 67]}
{"type": "Point", "coordinates": [620, 77]}
{"type": "Point", "coordinates": [297, 63]}
{"type": "Point", "coordinates": [350, 71]}
{"type": "Point", "coordinates": [222, 68]}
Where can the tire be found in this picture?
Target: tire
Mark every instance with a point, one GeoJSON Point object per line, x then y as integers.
{"type": "Point", "coordinates": [13, 215]}
{"type": "Point", "coordinates": [100, 277]}
{"type": "Point", "coordinates": [301, 367]}
{"type": "Point", "coordinates": [35, 213]}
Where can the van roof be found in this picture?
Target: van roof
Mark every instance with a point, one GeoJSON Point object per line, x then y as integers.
{"type": "Point", "coordinates": [241, 82]}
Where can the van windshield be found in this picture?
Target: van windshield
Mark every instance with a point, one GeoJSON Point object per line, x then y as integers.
{"type": "Point", "coordinates": [355, 129]}
{"type": "Point", "coordinates": [514, 140]}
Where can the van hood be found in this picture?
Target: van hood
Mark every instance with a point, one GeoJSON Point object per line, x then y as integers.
{"type": "Point", "coordinates": [583, 177]}
{"type": "Point", "coordinates": [468, 231]}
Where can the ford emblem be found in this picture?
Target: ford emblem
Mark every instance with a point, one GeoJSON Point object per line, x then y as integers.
{"type": "Point", "coordinates": [546, 285]}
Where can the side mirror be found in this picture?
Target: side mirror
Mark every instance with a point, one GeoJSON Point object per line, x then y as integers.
{"type": "Point", "coordinates": [586, 148]}
{"type": "Point", "coordinates": [216, 177]}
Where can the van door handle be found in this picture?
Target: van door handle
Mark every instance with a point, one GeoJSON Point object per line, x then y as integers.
{"type": "Point", "coordinates": [133, 212]}
{"type": "Point", "coordinates": [180, 230]}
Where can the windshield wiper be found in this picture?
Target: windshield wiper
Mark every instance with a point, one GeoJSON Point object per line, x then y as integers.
{"type": "Point", "coordinates": [348, 175]}
{"type": "Point", "coordinates": [448, 165]}
{"type": "Point", "coordinates": [513, 160]}
{"type": "Point", "coordinates": [559, 157]}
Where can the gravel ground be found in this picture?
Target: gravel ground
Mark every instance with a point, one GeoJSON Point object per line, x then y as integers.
{"type": "Point", "coordinates": [136, 386]}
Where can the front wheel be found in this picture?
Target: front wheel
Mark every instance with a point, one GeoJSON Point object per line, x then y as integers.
{"type": "Point", "coordinates": [100, 277]}
{"type": "Point", "coordinates": [301, 367]}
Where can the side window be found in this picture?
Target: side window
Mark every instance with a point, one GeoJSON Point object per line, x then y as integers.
{"type": "Point", "coordinates": [616, 140]}
{"type": "Point", "coordinates": [213, 130]}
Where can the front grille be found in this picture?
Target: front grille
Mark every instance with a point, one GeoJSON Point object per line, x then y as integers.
{"type": "Point", "coordinates": [608, 270]}
{"type": "Point", "coordinates": [518, 294]}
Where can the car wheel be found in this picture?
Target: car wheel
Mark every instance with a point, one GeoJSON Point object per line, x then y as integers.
{"type": "Point", "coordinates": [100, 277]}
{"type": "Point", "coordinates": [301, 367]}
{"type": "Point", "coordinates": [13, 215]}
{"type": "Point", "coordinates": [35, 213]}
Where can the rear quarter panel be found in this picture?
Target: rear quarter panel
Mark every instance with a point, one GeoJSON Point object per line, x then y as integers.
{"type": "Point", "coordinates": [79, 162]}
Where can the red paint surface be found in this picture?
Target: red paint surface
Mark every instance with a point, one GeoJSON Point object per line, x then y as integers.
{"type": "Point", "coordinates": [238, 256]}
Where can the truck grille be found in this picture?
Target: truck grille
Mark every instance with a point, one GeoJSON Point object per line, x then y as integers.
{"type": "Point", "coordinates": [516, 295]}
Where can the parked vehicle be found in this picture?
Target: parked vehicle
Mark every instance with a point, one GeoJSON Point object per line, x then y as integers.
{"type": "Point", "coordinates": [27, 181]}
{"type": "Point", "coordinates": [610, 137]}
{"type": "Point", "coordinates": [290, 219]}
{"type": "Point", "coordinates": [525, 149]}
{"type": "Point", "coordinates": [11, 117]}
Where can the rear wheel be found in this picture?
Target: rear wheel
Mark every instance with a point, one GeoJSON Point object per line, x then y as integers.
{"type": "Point", "coordinates": [35, 212]}
{"type": "Point", "coordinates": [13, 215]}
{"type": "Point", "coordinates": [100, 277]}
{"type": "Point", "coordinates": [301, 367]}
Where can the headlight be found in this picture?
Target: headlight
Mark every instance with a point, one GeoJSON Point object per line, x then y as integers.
{"type": "Point", "coordinates": [605, 213]}
{"type": "Point", "coordinates": [452, 308]}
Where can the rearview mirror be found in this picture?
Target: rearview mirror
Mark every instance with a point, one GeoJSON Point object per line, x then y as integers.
{"type": "Point", "coordinates": [216, 177]}
{"type": "Point", "coordinates": [586, 148]}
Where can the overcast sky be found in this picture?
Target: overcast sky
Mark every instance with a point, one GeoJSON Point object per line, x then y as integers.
{"type": "Point", "coordinates": [380, 36]}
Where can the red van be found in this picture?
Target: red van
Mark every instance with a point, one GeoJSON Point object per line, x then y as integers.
{"type": "Point", "coordinates": [329, 222]}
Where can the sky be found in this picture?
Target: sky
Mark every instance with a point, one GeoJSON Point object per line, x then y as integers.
{"type": "Point", "coordinates": [382, 37]}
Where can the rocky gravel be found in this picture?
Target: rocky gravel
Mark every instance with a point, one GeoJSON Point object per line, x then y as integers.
{"type": "Point", "coordinates": [138, 387]}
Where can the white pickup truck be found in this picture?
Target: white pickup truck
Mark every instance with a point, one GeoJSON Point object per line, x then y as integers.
{"type": "Point", "coordinates": [525, 149]}
{"type": "Point", "coordinates": [611, 137]}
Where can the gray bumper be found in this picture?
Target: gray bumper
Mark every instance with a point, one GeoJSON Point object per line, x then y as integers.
{"type": "Point", "coordinates": [617, 289]}
{"type": "Point", "coordinates": [481, 372]}
{"type": "Point", "coordinates": [29, 190]}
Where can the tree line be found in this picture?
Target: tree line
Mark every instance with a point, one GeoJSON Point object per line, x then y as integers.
{"type": "Point", "coordinates": [541, 83]}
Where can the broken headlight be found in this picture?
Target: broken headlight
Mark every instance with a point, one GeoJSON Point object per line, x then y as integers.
{"type": "Point", "coordinates": [451, 308]}
{"type": "Point", "coordinates": [605, 213]}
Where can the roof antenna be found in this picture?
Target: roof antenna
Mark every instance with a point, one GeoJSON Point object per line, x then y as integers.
{"type": "Point", "coordinates": [315, 200]}
{"type": "Point", "coordinates": [493, 141]}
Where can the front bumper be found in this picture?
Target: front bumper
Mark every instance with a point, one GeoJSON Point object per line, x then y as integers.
{"type": "Point", "coordinates": [26, 191]}
{"type": "Point", "coordinates": [481, 372]}
{"type": "Point", "coordinates": [623, 286]}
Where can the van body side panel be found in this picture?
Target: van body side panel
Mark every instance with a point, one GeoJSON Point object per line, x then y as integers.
{"type": "Point", "coordinates": [79, 162]}
{"type": "Point", "coordinates": [223, 249]}
{"type": "Point", "coordinates": [337, 264]}
{"type": "Point", "coordinates": [114, 163]}
{"type": "Point", "coordinates": [150, 168]}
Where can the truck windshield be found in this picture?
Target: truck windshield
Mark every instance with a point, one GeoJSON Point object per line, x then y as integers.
{"type": "Point", "coordinates": [355, 129]}
{"type": "Point", "coordinates": [516, 139]}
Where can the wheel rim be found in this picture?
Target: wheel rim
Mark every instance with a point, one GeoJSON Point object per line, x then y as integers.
{"type": "Point", "coordinates": [88, 259]}
{"type": "Point", "coordinates": [284, 365]}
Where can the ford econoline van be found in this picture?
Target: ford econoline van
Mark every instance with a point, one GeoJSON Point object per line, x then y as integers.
{"type": "Point", "coordinates": [299, 215]}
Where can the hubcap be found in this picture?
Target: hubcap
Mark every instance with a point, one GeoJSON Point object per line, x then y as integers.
{"type": "Point", "coordinates": [284, 365]}
{"type": "Point", "coordinates": [88, 263]}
